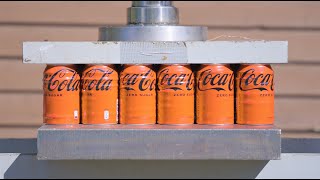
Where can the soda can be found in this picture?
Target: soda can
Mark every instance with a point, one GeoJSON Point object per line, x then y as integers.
{"type": "Point", "coordinates": [137, 95]}
{"type": "Point", "coordinates": [99, 95]}
{"type": "Point", "coordinates": [215, 94]}
{"type": "Point", "coordinates": [61, 100]}
{"type": "Point", "coordinates": [255, 95]}
{"type": "Point", "coordinates": [175, 94]}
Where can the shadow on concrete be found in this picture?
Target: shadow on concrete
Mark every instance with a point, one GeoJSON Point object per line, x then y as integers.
{"type": "Point", "coordinates": [300, 145]}
{"type": "Point", "coordinates": [27, 166]}
{"type": "Point", "coordinates": [24, 146]}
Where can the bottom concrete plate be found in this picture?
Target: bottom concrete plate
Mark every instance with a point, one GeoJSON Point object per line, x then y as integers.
{"type": "Point", "coordinates": [158, 142]}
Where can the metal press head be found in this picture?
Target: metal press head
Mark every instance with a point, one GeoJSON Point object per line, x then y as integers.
{"type": "Point", "coordinates": [153, 13]}
{"type": "Point", "coordinates": [153, 21]}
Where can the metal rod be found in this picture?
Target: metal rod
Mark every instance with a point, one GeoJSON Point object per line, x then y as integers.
{"type": "Point", "coordinates": [153, 12]}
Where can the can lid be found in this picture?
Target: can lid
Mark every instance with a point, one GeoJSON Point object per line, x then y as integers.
{"type": "Point", "coordinates": [92, 65]}
{"type": "Point", "coordinates": [71, 66]}
{"type": "Point", "coordinates": [145, 65]}
{"type": "Point", "coordinates": [248, 64]}
{"type": "Point", "coordinates": [215, 64]}
{"type": "Point", "coordinates": [184, 65]}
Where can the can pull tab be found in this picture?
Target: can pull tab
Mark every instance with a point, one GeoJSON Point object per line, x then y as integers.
{"type": "Point", "coordinates": [153, 13]}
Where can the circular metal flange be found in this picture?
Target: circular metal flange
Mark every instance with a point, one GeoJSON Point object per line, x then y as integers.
{"type": "Point", "coordinates": [153, 33]}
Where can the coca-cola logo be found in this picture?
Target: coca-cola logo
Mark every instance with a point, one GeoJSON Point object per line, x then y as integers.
{"type": "Point", "coordinates": [144, 81]}
{"type": "Point", "coordinates": [176, 81]}
{"type": "Point", "coordinates": [103, 84]}
{"type": "Point", "coordinates": [209, 81]}
{"type": "Point", "coordinates": [57, 80]}
{"type": "Point", "coordinates": [255, 81]}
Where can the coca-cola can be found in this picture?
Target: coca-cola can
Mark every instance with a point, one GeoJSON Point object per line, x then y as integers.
{"type": "Point", "coordinates": [215, 94]}
{"type": "Point", "coordinates": [255, 94]}
{"type": "Point", "coordinates": [61, 94]}
{"type": "Point", "coordinates": [137, 95]}
{"type": "Point", "coordinates": [175, 94]}
{"type": "Point", "coordinates": [99, 94]}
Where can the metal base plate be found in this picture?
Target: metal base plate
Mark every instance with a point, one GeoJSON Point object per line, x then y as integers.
{"type": "Point", "coordinates": [158, 142]}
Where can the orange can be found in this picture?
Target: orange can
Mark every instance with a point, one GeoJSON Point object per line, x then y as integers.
{"type": "Point", "coordinates": [137, 95]}
{"type": "Point", "coordinates": [61, 101]}
{"type": "Point", "coordinates": [215, 95]}
{"type": "Point", "coordinates": [255, 95]}
{"type": "Point", "coordinates": [175, 94]}
{"type": "Point", "coordinates": [99, 88]}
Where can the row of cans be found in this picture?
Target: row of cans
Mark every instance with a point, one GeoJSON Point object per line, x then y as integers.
{"type": "Point", "coordinates": [171, 94]}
